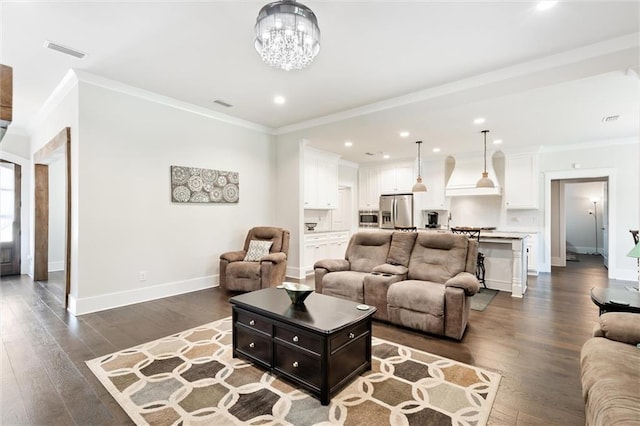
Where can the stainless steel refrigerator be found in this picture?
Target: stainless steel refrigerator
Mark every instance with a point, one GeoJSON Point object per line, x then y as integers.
{"type": "Point", "coordinates": [396, 211]}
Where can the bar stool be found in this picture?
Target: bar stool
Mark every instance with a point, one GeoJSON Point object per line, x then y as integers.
{"type": "Point", "coordinates": [474, 233]}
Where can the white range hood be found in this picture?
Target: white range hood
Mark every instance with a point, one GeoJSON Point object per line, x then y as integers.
{"type": "Point", "coordinates": [466, 172]}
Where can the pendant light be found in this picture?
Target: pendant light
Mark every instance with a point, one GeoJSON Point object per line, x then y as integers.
{"type": "Point", "coordinates": [484, 181]}
{"type": "Point", "coordinates": [419, 186]}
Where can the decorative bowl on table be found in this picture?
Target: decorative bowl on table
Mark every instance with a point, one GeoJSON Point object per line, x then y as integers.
{"type": "Point", "coordinates": [297, 292]}
{"type": "Point", "coordinates": [310, 225]}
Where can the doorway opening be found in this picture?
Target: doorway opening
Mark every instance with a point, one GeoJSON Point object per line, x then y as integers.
{"type": "Point", "coordinates": [10, 205]}
{"type": "Point", "coordinates": [580, 222]}
{"type": "Point", "coordinates": [52, 222]}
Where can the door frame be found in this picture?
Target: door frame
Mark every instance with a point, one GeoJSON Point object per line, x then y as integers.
{"type": "Point", "coordinates": [17, 219]}
{"type": "Point", "coordinates": [580, 174]}
{"type": "Point", "coordinates": [60, 145]}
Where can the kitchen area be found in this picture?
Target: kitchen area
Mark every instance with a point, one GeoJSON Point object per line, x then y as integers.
{"type": "Point", "coordinates": [506, 215]}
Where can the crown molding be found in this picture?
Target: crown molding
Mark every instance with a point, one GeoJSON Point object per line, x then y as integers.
{"type": "Point", "coordinates": [68, 83]}
{"type": "Point", "coordinates": [601, 143]}
{"type": "Point", "coordinates": [126, 89]}
{"type": "Point", "coordinates": [629, 41]}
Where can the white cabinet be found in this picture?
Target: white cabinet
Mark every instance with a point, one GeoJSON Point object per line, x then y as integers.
{"type": "Point", "coordinates": [521, 181]}
{"type": "Point", "coordinates": [325, 245]}
{"type": "Point", "coordinates": [368, 188]}
{"type": "Point", "coordinates": [397, 178]}
{"type": "Point", "coordinates": [320, 180]}
{"type": "Point", "coordinates": [433, 178]}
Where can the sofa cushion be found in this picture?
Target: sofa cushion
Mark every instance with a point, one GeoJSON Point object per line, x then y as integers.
{"type": "Point", "coordinates": [345, 284]}
{"type": "Point", "coordinates": [257, 250]}
{"type": "Point", "coordinates": [400, 249]}
{"type": "Point", "coordinates": [437, 256]}
{"type": "Point", "coordinates": [367, 250]}
{"type": "Point", "coordinates": [420, 296]}
{"type": "Point", "coordinates": [388, 269]}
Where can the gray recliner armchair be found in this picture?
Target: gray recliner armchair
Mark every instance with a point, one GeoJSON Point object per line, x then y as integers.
{"type": "Point", "coordinates": [238, 274]}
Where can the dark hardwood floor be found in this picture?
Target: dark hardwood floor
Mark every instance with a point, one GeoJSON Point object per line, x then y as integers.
{"type": "Point", "coordinates": [533, 342]}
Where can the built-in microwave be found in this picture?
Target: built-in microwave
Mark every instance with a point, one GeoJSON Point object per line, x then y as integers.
{"type": "Point", "coordinates": [369, 218]}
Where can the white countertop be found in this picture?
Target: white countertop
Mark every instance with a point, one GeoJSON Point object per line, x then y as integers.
{"type": "Point", "coordinates": [492, 234]}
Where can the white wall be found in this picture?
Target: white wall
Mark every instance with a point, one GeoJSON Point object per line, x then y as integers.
{"type": "Point", "coordinates": [581, 226]}
{"type": "Point", "coordinates": [57, 205]}
{"type": "Point", "coordinates": [126, 220]}
{"type": "Point", "coordinates": [15, 148]}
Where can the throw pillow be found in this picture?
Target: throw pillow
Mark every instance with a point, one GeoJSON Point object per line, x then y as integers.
{"type": "Point", "coordinates": [257, 250]}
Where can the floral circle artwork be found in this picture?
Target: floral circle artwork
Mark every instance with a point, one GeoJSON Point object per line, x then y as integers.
{"type": "Point", "coordinates": [230, 193]}
{"type": "Point", "coordinates": [181, 194]}
{"type": "Point", "coordinates": [195, 183]}
{"type": "Point", "coordinates": [199, 197]}
{"type": "Point", "coordinates": [198, 185]}
{"type": "Point", "coordinates": [216, 195]}
{"type": "Point", "coordinates": [179, 175]}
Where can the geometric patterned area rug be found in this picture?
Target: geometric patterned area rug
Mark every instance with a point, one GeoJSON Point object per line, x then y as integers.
{"type": "Point", "coordinates": [190, 378]}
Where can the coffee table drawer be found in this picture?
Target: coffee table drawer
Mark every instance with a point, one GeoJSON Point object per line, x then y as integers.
{"type": "Point", "coordinates": [347, 335]}
{"type": "Point", "coordinates": [305, 368]}
{"type": "Point", "coordinates": [254, 321]}
{"type": "Point", "coordinates": [299, 339]}
{"type": "Point", "coordinates": [254, 345]}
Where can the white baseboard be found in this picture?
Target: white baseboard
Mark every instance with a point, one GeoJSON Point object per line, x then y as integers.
{"type": "Point", "coordinates": [555, 261]}
{"type": "Point", "coordinates": [56, 266]}
{"type": "Point", "coordinates": [296, 272]}
{"type": "Point", "coordinates": [625, 275]}
{"type": "Point", "coordinates": [123, 298]}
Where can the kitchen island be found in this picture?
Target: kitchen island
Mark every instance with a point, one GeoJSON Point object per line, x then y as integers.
{"type": "Point", "coordinates": [505, 260]}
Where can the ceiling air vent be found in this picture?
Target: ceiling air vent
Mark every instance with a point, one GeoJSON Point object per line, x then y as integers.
{"type": "Point", "coordinates": [65, 50]}
{"type": "Point", "coordinates": [610, 118]}
{"type": "Point", "coordinates": [223, 103]}
{"type": "Point", "coordinates": [369, 153]}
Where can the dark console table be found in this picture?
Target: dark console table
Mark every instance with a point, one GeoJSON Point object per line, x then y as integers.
{"type": "Point", "coordinates": [320, 346]}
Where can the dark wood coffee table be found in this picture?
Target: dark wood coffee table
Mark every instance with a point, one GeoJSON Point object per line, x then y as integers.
{"type": "Point", "coordinates": [320, 346]}
{"type": "Point", "coordinates": [616, 300]}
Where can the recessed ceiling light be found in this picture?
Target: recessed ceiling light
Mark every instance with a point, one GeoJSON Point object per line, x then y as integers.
{"type": "Point", "coordinates": [545, 5]}
{"type": "Point", "coordinates": [479, 120]}
{"type": "Point", "coordinates": [436, 149]}
{"type": "Point", "coordinates": [279, 100]}
{"type": "Point", "coordinates": [497, 141]}
{"type": "Point", "coordinates": [348, 143]}
{"type": "Point", "coordinates": [386, 156]}
{"type": "Point", "coordinates": [404, 134]}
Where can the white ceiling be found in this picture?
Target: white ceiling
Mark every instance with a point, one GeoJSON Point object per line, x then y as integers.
{"type": "Point", "coordinates": [429, 67]}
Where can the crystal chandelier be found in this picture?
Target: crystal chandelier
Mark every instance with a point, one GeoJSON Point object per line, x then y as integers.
{"type": "Point", "coordinates": [287, 35]}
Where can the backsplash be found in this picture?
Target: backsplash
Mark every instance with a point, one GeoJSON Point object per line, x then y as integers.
{"type": "Point", "coordinates": [321, 217]}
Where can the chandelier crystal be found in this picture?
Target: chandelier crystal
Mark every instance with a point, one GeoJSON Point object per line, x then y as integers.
{"type": "Point", "coordinates": [287, 35]}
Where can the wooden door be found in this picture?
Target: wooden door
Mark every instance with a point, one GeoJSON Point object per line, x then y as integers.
{"type": "Point", "coordinates": [10, 201]}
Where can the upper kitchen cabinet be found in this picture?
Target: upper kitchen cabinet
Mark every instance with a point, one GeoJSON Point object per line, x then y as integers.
{"type": "Point", "coordinates": [434, 176]}
{"type": "Point", "coordinates": [521, 181]}
{"type": "Point", "coordinates": [320, 179]}
{"type": "Point", "coordinates": [397, 178]}
{"type": "Point", "coordinates": [368, 188]}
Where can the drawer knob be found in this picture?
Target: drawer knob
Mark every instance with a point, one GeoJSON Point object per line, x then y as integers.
{"type": "Point", "coordinates": [252, 345]}
{"type": "Point", "coordinates": [295, 338]}
{"type": "Point", "coordinates": [252, 322]}
{"type": "Point", "coordinates": [351, 335]}
{"type": "Point", "coordinates": [295, 364]}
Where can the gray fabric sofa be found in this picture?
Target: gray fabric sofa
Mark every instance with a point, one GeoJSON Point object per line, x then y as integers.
{"type": "Point", "coordinates": [421, 280]}
{"type": "Point", "coordinates": [610, 371]}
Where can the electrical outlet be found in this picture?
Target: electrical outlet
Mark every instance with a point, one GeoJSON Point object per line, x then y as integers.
{"type": "Point", "coordinates": [143, 275]}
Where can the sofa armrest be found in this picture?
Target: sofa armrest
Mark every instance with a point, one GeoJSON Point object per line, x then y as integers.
{"type": "Point", "coordinates": [619, 326]}
{"type": "Point", "coordinates": [465, 281]}
{"type": "Point", "coordinates": [333, 265]}
{"type": "Point", "coordinates": [233, 256]}
{"type": "Point", "coordinates": [277, 257]}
